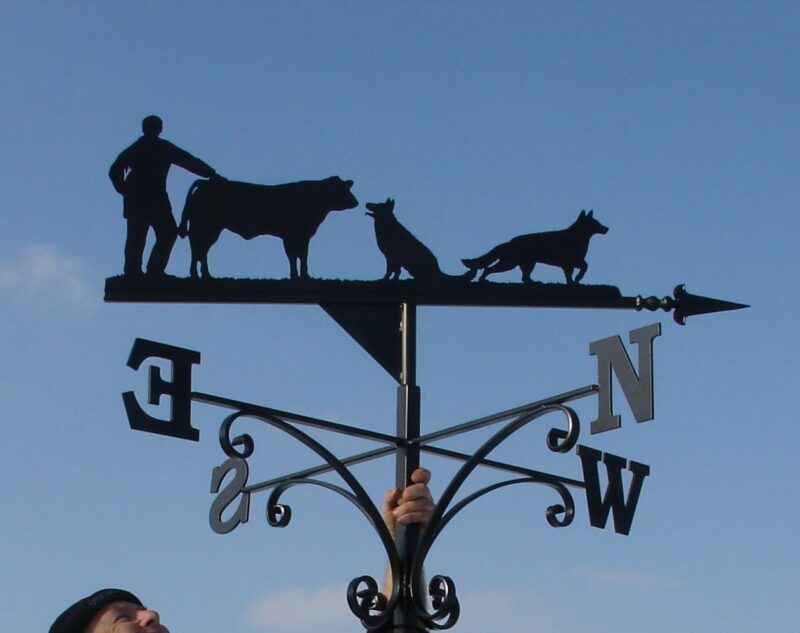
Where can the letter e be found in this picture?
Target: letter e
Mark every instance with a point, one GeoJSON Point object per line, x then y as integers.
{"type": "Point", "coordinates": [179, 389]}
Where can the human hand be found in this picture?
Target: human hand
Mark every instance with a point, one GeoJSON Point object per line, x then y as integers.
{"type": "Point", "coordinates": [414, 504]}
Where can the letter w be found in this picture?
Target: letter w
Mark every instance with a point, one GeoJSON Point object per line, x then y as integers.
{"type": "Point", "coordinates": [614, 498]}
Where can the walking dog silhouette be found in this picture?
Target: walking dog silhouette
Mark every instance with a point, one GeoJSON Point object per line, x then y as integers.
{"type": "Point", "coordinates": [401, 249]}
{"type": "Point", "coordinates": [566, 249]}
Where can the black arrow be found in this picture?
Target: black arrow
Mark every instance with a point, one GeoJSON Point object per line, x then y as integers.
{"type": "Point", "coordinates": [685, 304]}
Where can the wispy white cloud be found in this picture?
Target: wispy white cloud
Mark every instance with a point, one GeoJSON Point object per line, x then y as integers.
{"type": "Point", "coordinates": [45, 275]}
{"type": "Point", "coordinates": [297, 610]}
{"type": "Point", "coordinates": [305, 610]}
{"type": "Point", "coordinates": [519, 609]}
{"type": "Point", "coordinates": [516, 608]}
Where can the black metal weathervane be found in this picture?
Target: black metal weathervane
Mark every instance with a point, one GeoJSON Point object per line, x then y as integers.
{"type": "Point", "coordinates": [381, 316]}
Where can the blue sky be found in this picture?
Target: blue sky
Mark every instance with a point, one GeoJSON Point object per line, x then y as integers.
{"type": "Point", "coordinates": [676, 122]}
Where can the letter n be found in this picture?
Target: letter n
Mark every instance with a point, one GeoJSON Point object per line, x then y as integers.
{"type": "Point", "coordinates": [614, 499]}
{"type": "Point", "coordinates": [638, 389]}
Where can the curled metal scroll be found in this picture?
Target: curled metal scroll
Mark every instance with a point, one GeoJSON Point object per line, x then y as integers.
{"type": "Point", "coordinates": [565, 508]}
{"type": "Point", "coordinates": [279, 515]}
{"type": "Point", "coordinates": [442, 590]}
{"type": "Point", "coordinates": [363, 596]}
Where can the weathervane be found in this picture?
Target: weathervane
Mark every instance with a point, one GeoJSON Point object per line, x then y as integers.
{"type": "Point", "coordinates": [381, 316]}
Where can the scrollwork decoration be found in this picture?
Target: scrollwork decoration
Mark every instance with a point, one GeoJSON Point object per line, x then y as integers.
{"type": "Point", "coordinates": [560, 441]}
{"type": "Point", "coordinates": [567, 506]}
{"type": "Point", "coordinates": [363, 597]}
{"type": "Point", "coordinates": [229, 445]}
{"type": "Point", "coordinates": [442, 590]}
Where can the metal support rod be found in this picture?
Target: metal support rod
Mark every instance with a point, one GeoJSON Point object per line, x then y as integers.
{"type": "Point", "coordinates": [494, 418]}
{"type": "Point", "coordinates": [294, 418]}
{"type": "Point", "coordinates": [407, 460]}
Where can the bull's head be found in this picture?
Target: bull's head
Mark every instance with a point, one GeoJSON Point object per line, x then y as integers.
{"type": "Point", "coordinates": [343, 198]}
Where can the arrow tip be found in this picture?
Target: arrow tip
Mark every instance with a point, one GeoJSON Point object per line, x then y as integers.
{"type": "Point", "coordinates": [687, 304]}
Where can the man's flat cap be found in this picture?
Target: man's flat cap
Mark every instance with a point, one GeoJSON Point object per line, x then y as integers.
{"type": "Point", "coordinates": [77, 617]}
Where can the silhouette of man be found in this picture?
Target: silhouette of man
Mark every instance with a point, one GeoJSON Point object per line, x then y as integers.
{"type": "Point", "coordinates": [140, 175]}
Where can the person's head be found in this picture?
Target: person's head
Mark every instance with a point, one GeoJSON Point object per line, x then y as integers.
{"type": "Point", "coordinates": [108, 611]}
{"type": "Point", "coordinates": [152, 125]}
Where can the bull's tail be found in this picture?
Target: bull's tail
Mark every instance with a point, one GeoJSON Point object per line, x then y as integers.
{"type": "Point", "coordinates": [483, 261]}
{"type": "Point", "coordinates": [186, 216]}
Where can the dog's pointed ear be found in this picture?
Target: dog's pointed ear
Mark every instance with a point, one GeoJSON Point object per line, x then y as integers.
{"type": "Point", "coordinates": [583, 213]}
{"type": "Point", "coordinates": [591, 213]}
{"type": "Point", "coordinates": [390, 202]}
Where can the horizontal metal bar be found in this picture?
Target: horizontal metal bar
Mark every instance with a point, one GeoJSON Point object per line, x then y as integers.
{"type": "Point", "coordinates": [442, 452]}
{"type": "Point", "coordinates": [126, 288]}
{"type": "Point", "coordinates": [249, 408]}
{"type": "Point", "coordinates": [489, 463]}
{"type": "Point", "coordinates": [318, 470]}
{"type": "Point", "coordinates": [295, 418]}
{"type": "Point", "coordinates": [505, 415]}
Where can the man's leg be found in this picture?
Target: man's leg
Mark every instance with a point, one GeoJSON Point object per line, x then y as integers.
{"type": "Point", "coordinates": [134, 245]}
{"type": "Point", "coordinates": [166, 234]}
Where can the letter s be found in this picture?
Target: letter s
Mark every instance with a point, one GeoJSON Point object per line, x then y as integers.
{"type": "Point", "coordinates": [228, 495]}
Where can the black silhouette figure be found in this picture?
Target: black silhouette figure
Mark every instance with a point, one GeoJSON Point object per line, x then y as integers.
{"type": "Point", "coordinates": [140, 174]}
{"type": "Point", "coordinates": [292, 211]}
{"type": "Point", "coordinates": [566, 249]}
{"type": "Point", "coordinates": [400, 248]}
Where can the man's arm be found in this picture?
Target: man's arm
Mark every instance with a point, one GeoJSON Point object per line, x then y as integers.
{"type": "Point", "coordinates": [414, 504]}
{"type": "Point", "coordinates": [184, 159]}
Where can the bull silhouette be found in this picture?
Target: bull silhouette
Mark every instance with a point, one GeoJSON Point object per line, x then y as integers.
{"type": "Point", "coordinates": [292, 212]}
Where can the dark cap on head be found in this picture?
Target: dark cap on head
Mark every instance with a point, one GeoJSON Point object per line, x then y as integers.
{"type": "Point", "coordinates": [77, 617]}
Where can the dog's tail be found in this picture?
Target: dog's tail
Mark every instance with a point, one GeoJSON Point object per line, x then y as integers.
{"type": "Point", "coordinates": [467, 276]}
{"type": "Point", "coordinates": [186, 216]}
{"type": "Point", "coordinates": [483, 261]}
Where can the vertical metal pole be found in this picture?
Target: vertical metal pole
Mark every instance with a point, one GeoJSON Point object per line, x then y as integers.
{"type": "Point", "coordinates": [407, 460]}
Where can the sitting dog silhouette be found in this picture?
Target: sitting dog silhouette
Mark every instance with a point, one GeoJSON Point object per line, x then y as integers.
{"type": "Point", "coordinates": [566, 249]}
{"type": "Point", "coordinates": [401, 249]}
